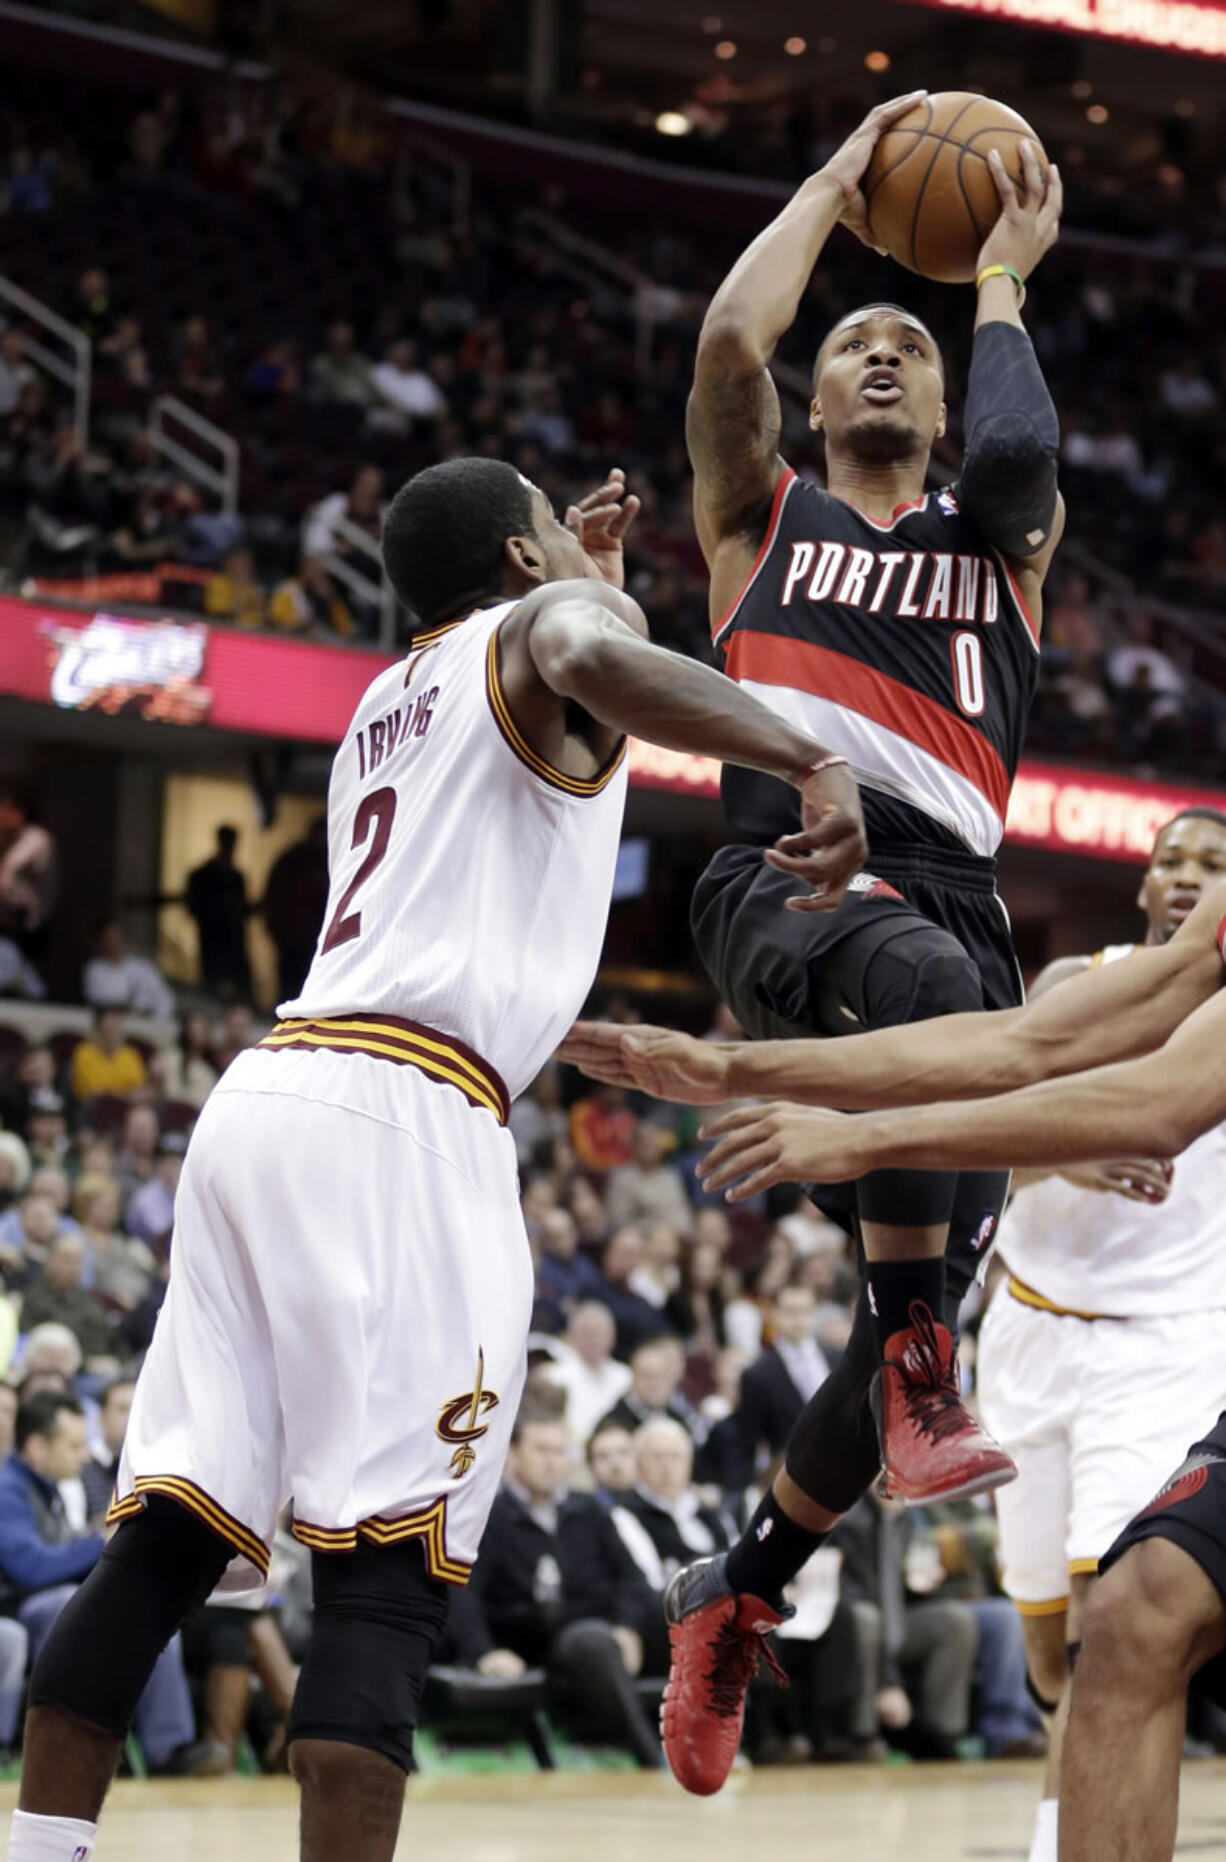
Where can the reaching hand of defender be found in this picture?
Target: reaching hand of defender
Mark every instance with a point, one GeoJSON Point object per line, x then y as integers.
{"type": "Point", "coordinates": [761, 1145]}
{"type": "Point", "coordinates": [1140, 1179]}
{"type": "Point", "coordinates": [601, 521]}
{"type": "Point", "coordinates": [650, 1060]}
{"type": "Point", "coordinates": [847, 165]}
{"type": "Point", "coordinates": [831, 846]}
{"type": "Point", "coordinates": [1030, 220]}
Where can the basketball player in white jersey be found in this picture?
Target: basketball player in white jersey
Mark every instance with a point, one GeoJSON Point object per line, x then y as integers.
{"type": "Point", "coordinates": [1104, 1352]}
{"type": "Point", "coordinates": [348, 1308]}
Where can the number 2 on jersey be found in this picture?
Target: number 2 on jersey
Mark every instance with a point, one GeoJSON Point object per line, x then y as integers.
{"type": "Point", "coordinates": [377, 810]}
{"type": "Point", "coordinates": [967, 655]}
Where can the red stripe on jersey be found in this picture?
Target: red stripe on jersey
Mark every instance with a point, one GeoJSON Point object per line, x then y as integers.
{"type": "Point", "coordinates": [785, 479]}
{"type": "Point", "coordinates": [1032, 625]}
{"type": "Point", "coordinates": [771, 659]}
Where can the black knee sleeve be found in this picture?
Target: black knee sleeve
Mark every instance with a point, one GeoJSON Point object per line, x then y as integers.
{"type": "Point", "coordinates": [1048, 1708]}
{"type": "Point", "coordinates": [377, 1617]}
{"type": "Point", "coordinates": [833, 1453]}
{"type": "Point", "coordinates": [1073, 1650]}
{"type": "Point", "coordinates": [98, 1658]}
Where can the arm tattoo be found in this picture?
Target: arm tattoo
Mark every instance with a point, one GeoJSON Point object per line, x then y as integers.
{"type": "Point", "coordinates": [733, 423]}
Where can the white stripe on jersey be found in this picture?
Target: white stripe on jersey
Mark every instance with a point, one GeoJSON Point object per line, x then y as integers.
{"type": "Point", "coordinates": [882, 759]}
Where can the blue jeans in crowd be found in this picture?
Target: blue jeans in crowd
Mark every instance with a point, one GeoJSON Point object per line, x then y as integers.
{"type": "Point", "coordinates": [164, 1719]}
{"type": "Point", "coordinates": [1005, 1709]}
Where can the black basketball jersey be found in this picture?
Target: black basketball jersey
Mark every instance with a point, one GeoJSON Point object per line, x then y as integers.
{"type": "Point", "coordinates": [904, 646]}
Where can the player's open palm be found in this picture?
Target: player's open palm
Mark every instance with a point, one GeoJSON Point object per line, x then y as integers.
{"type": "Point", "coordinates": [847, 165]}
{"type": "Point", "coordinates": [601, 521]}
{"type": "Point", "coordinates": [765, 1144]}
{"type": "Point", "coordinates": [832, 844]}
{"type": "Point", "coordinates": [650, 1060]}
{"type": "Point", "coordinates": [1029, 220]}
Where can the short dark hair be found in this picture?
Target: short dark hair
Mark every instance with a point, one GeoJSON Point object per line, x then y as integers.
{"type": "Point", "coordinates": [116, 1383]}
{"type": "Point", "coordinates": [39, 1414]}
{"type": "Point", "coordinates": [535, 1409]}
{"type": "Point", "coordinates": [608, 1425]}
{"type": "Point", "coordinates": [1197, 812]}
{"type": "Point", "coordinates": [445, 534]}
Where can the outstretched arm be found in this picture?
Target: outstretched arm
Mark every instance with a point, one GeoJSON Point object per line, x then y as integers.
{"type": "Point", "coordinates": [1158, 1104]}
{"type": "Point", "coordinates": [733, 419]}
{"type": "Point", "coordinates": [1104, 1015]}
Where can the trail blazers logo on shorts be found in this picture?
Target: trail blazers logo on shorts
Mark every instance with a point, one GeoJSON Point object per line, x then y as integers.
{"type": "Point", "coordinates": [1186, 1481]}
{"type": "Point", "coordinates": [460, 1420]}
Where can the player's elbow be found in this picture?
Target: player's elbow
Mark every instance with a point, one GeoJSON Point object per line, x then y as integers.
{"type": "Point", "coordinates": [1175, 1117]}
{"type": "Point", "coordinates": [1008, 483]}
{"type": "Point", "coordinates": [727, 345]}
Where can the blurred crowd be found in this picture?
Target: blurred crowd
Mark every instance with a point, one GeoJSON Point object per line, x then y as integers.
{"type": "Point", "coordinates": [311, 290]}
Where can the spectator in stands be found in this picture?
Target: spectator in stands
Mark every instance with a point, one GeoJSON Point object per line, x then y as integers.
{"type": "Point", "coordinates": [275, 371]}
{"type": "Point", "coordinates": [136, 1159]}
{"type": "Point", "coordinates": [151, 1208]}
{"type": "Point", "coordinates": [295, 898]}
{"type": "Point", "coordinates": [563, 1275]}
{"type": "Point", "coordinates": [234, 1035]}
{"type": "Point", "coordinates": [610, 1460]}
{"type": "Point", "coordinates": [198, 365]}
{"type": "Point", "coordinates": [311, 603]}
{"type": "Point", "coordinates": [35, 1069]}
{"type": "Point", "coordinates": [658, 1274]}
{"type": "Point", "coordinates": [404, 392]}
{"type": "Point", "coordinates": [671, 1524]}
{"type": "Point", "coordinates": [745, 1315]}
{"type": "Point", "coordinates": [121, 1265]}
{"type": "Point", "coordinates": [15, 371]}
{"type": "Point", "coordinates": [43, 1561]}
{"type": "Point", "coordinates": [340, 372]}
{"type": "Point", "coordinates": [783, 1377]}
{"type": "Point", "coordinates": [14, 1170]}
{"type": "Point", "coordinates": [361, 506]}
{"type": "Point", "coordinates": [647, 1188]}
{"type": "Point", "coordinates": [117, 979]}
{"type": "Point", "coordinates": [537, 1116]}
{"type": "Point", "coordinates": [657, 1367]}
{"type": "Point", "coordinates": [56, 1295]}
{"type": "Point", "coordinates": [93, 311]}
{"type": "Point", "coordinates": [51, 1360]}
{"type": "Point", "coordinates": [921, 1652]}
{"type": "Point", "coordinates": [217, 900]}
{"type": "Point", "coordinates": [26, 1233]}
{"type": "Point", "coordinates": [602, 1129]}
{"type": "Point", "coordinates": [636, 1319]}
{"type": "Point", "coordinates": [46, 1126]}
{"type": "Point", "coordinates": [593, 1379]}
{"type": "Point", "coordinates": [235, 593]}
{"type": "Point", "coordinates": [28, 872]}
{"type": "Point", "coordinates": [695, 1308]}
{"type": "Point", "coordinates": [554, 1588]}
{"type": "Point", "coordinates": [586, 1208]}
{"type": "Point", "coordinates": [14, 1660]}
{"type": "Point", "coordinates": [186, 1070]}
{"type": "Point", "coordinates": [8, 1419]}
{"type": "Point", "coordinates": [105, 1062]}
{"type": "Point", "coordinates": [100, 1470]}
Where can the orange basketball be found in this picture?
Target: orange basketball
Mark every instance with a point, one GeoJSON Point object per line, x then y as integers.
{"type": "Point", "coordinates": [929, 191]}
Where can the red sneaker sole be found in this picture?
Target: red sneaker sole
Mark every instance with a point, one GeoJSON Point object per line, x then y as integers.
{"type": "Point", "coordinates": [696, 1787]}
{"type": "Point", "coordinates": [960, 1490]}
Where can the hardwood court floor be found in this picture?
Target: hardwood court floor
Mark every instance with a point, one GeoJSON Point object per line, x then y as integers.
{"type": "Point", "coordinates": [957, 1813]}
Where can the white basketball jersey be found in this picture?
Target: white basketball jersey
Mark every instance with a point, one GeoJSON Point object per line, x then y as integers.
{"type": "Point", "coordinates": [470, 881]}
{"type": "Point", "coordinates": [1083, 1251]}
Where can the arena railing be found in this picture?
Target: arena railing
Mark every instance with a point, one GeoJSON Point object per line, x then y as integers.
{"type": "Point", "coordinates": [375, 590]}
{"type": "Point", "coordinates": [221, 481]}
{"type": "Point", "coordinates": [72, 369]}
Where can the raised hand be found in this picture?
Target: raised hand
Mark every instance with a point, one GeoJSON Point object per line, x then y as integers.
{"type": "Point", "coordinates": [765, 1144]}
{"type": "Point", "coordinates": [650, 1060]}
{"type": "Point", "coordinates": [1029, 220]}
{"type": "Point", "coordinates": [1139, 1179]}
{"type": "Point", "coordinates": [601, 521]}
{"type": "Point", "coordinates": [831, 846]}
{"type": "Point", "coordinates": [847, 165]}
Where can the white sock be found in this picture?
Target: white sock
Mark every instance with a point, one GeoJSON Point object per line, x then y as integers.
{"type": "Point", "coordinates": [1045, 1846]}
{"type": "Point", "coordinates": [50, 1839]}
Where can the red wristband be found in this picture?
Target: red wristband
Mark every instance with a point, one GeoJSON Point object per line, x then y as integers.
{"type": "Point", "coordinates": [815, 768]}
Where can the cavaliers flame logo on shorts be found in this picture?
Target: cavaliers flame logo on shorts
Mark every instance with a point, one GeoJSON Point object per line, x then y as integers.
{"type": "Point", "coordinates": [459, 1420]}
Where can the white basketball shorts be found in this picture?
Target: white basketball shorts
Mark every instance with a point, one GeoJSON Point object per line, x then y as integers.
{"type": "Point", "coordinates": [1096, 1413]}
{"type": "Point", "coordinates": [347, 1314]}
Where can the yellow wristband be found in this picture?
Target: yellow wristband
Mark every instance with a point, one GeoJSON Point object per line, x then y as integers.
{"type": "Point", "coordinates": [1004, 271]}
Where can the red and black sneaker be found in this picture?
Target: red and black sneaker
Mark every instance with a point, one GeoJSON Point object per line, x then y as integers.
{"type": "Point", "coordinates": [717, 1639]}
{"type": "Point", "coordinates": [931, 1446]}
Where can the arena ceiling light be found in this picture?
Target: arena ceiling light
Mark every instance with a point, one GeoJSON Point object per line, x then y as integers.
{"type": "Point", "coordinates": [726, 48]}
{"type": "Point", "coordinates": [673, 123]}
{"type": "Point", "coordinates": [795, 47]}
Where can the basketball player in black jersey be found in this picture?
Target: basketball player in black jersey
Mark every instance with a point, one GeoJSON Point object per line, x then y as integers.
{"type": "Point", "coordinates": [906, 625]}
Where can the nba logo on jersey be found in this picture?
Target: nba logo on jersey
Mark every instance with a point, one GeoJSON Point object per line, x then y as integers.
{"type": "Point", "coordinates": [948, 503]}
{"type": "Point", "coordinates": [81, 1854]}
{"type": "Point", "coordinates": [984, 1233]}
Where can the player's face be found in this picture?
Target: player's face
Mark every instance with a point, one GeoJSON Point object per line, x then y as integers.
{"type": "Point", "coordinates": [880, 388]}
{"type": "Point", "coordinates": [1188, 857]}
